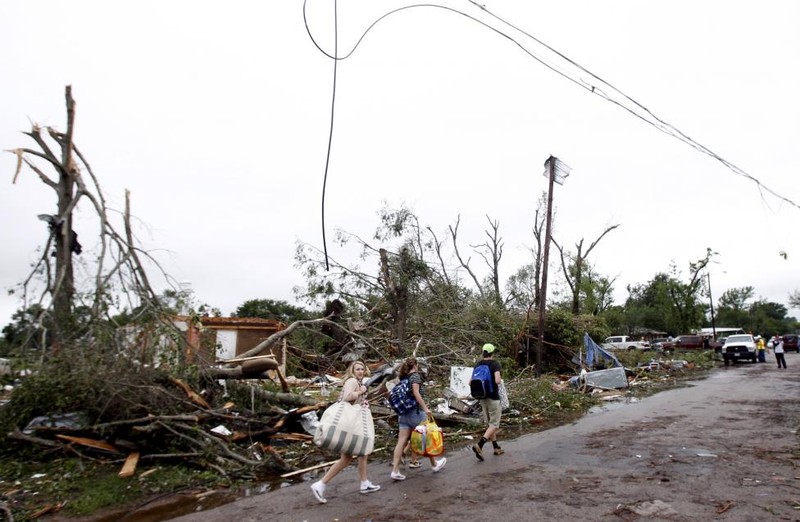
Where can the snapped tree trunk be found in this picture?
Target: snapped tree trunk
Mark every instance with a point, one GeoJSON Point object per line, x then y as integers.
{"type": "Point", "coordinates": [64, 283]}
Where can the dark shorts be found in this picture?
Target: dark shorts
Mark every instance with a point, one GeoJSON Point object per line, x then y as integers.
{"type": "Point", "coordinates": [412, 419]}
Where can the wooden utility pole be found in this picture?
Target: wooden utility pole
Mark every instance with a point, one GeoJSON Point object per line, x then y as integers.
{"type": "Point", "coordinates": [711, 302]}
{"type": "Point", "coordinates": [545, 260]}
{"type": "Point", "coordinates": [556, 172]}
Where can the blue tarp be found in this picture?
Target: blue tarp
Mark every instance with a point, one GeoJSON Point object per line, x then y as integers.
{"type": "Point", "coordinates": [596, 355]}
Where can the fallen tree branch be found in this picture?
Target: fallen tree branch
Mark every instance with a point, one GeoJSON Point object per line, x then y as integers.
{"type": "Point", "coordinates": [277, 336]}
{"type": "Point", "coordinates": [18, 435]}
{"type": "Point", "coordinates": [215, 441]}
{"type": "Point", "coordinates": [147, 420]}
{"type": "Point", "coordinates": [291, 399]}
{"type": "Point", "coordinates": [312, 468]}
{"type": "Point", "coordinates": [155, 456]}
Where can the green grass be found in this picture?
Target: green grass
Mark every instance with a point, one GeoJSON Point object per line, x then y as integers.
{"type": "Point", "coordinates": [86, 487]}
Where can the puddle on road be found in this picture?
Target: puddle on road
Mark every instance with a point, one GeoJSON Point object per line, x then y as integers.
{"type": "Point", "coordinates": [612, 405]}
{"type": "Point", "coordinates": [178, 505]}
{"type": "Point", "coordinates": [266, 487]}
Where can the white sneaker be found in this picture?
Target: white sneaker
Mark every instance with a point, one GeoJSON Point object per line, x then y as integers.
{"type": "Point", "coordinates": [318, 488]}
{"type": "Point", "coordinates": [397, 476]}
{"type": "Point", "coordinates": [439, 464]}
{"type": "Point", "coordinates": [369, 487]}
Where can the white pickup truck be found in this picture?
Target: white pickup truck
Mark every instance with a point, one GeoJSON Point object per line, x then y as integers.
{"type": "Point", "coordinates": [624, 342]}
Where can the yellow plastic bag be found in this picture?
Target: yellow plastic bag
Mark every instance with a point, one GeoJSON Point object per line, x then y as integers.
{"type": "Point", "coordinates": [418, 439]}
{"type": "Point", "coordinates": [427, 439]}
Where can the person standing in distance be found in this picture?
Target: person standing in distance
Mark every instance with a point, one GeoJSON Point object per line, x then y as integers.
{"type": "Point", "coordinates": [490, 406]}
{"type": "Point", "coordinates": [777, 347]}
{"type": "Point", "coordinates": [761, 349]}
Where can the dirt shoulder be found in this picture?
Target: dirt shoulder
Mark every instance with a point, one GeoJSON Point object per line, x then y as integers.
{"type": "Point", "coordinates": [723, 448]}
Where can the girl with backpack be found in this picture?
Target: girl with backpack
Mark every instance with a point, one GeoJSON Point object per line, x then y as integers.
{"type": "Point", "coordinates": [409, 420]}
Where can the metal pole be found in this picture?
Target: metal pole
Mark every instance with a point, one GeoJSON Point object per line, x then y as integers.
{"type": "Point", "coordinates": [545, 261]}
{"type": "Point", "coordinates": [711, 301]}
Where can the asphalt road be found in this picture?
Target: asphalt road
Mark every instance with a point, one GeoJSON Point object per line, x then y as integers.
{"type": "Point", "coordinates": [723, 448]}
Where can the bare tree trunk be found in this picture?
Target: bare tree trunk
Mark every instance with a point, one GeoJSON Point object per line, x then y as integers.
{"type": "Point", "coordinates": [494, 249]}
{"type": "Point", "coordinates": [69, 188]}
{"type": "Point", "coordinates": [397, 296]}
{"type": "Point", "coordinates": [538, 252]}
{"type": "Point", "coordinates": [64, 289]}
{"type": "Point", "coordinates": [575, 279]}
{"type": "Point", "coordinates": [464, 264]}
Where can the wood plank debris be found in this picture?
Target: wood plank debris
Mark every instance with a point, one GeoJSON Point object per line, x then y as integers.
{"type": "Point", "coordinates": [129, 468]}
{"type": "Point", "coordinates": [90, 443]}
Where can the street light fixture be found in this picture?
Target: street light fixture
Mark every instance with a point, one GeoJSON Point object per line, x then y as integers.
{"type": "Point", "coordinates": [556, 171]}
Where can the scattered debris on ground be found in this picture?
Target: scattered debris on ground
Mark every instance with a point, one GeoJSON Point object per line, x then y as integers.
{"type": "Point", "coordinates": [248, 422]}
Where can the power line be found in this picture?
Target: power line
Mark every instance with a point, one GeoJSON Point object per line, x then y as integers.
{"type": "Point", "coordinates": [596, 85]}
{"type": "Point", "coordinates": [333, 107]}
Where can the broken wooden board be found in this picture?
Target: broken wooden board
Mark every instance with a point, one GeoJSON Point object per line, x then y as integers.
{"type": "Point", "coordinates": [129, 468]}
{"type": "Point", "coordinates": [91, 443]}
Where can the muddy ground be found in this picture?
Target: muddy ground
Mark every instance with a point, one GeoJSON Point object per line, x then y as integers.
{"type": "Point", "coordinates": [723, 448]}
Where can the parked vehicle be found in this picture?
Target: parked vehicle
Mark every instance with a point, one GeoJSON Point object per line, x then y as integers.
{"type": "Point", "coordinates": [738, 347]}
{"type": "Point", "coordinates": [624, 342]}
{"type": "Point", "coordinates": [659, 343]}
{"type": "Point", "coordinates": [790, 343]}
{"type": "Point", "coordinates": [718, 344]}
{"type": "Point", "coordinates": [688, 342]}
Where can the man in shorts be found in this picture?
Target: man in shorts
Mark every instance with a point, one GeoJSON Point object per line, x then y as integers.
{"type": "Point", "coordinates": [490, 406]}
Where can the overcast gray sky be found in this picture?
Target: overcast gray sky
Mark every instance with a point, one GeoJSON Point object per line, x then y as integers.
{"type": "Point", "coordinates": [216, 117]}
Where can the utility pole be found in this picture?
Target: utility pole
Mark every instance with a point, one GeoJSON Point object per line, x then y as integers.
{"type": "Point", "coordinates": [556, 172]}
{"type": "Point", "coordinates": [711, 301]}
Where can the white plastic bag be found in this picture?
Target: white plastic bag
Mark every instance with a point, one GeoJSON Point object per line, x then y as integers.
{"type": "Point", "coordinates": [504, 404]}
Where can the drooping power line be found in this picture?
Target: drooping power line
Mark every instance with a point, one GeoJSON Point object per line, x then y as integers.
{"type": "Point", "coordinates": [558, 63]}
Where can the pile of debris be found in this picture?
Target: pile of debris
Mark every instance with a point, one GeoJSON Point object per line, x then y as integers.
{"type": "Point", "coordinates": [242, 421]}
{"type": "Point", "coordinates": [244, 418]}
